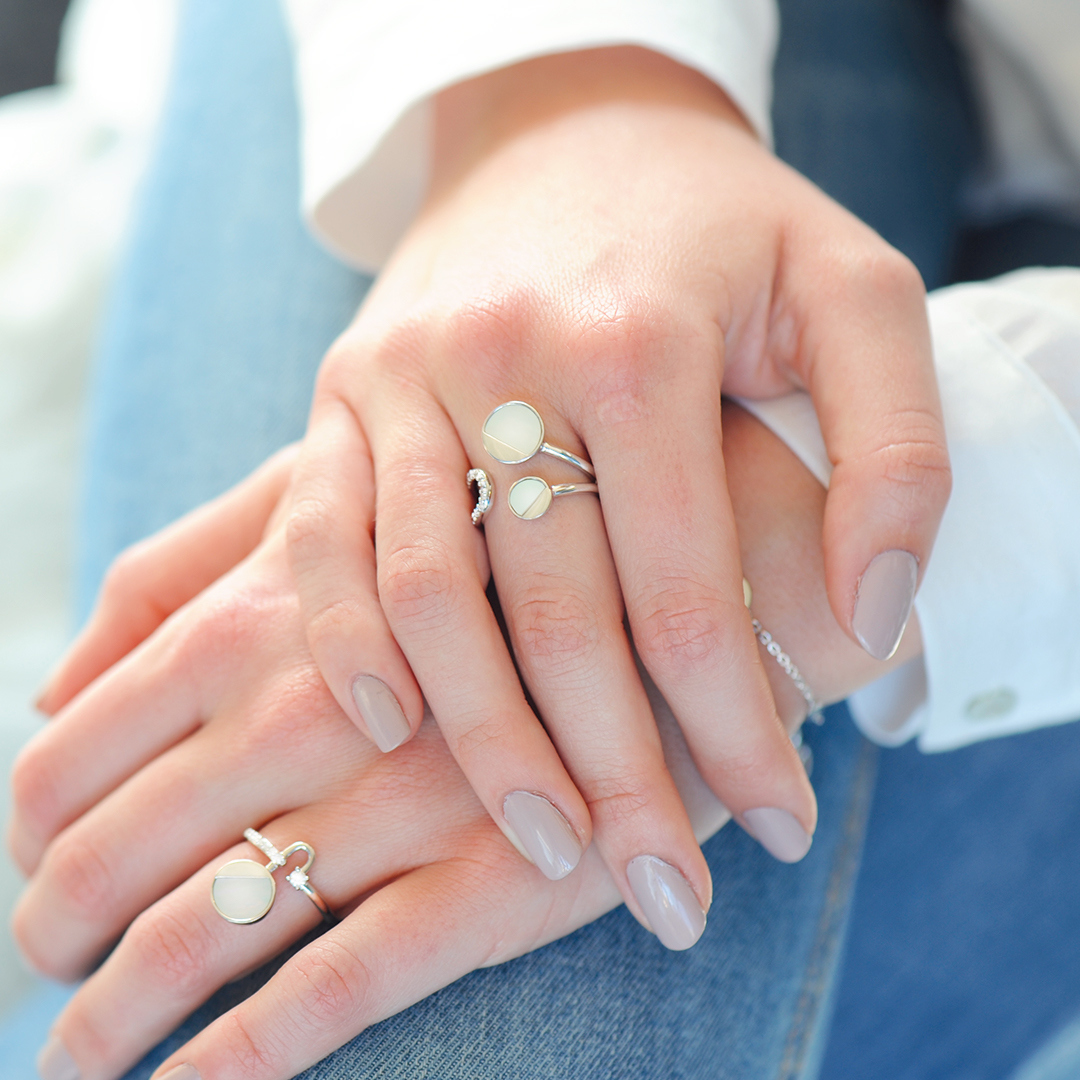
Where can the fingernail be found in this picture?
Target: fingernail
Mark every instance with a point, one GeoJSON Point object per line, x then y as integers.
{"type": "Point", "coordinates": [182, 1072]}
{"type": "Point", "coordinates": [544, 833]}
{"type": "Point", "coordinates": [55, 1063]}
{"type": "Point", "coordinates": [668, 901]}
{"type": "Point", "coordinates": [883, 604]}
{"type": "Point", "coordinates": [778, 832]}
{"type": "Point", "coordinates": [376, 703]}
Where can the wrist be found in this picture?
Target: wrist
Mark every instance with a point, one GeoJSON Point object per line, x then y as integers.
{"type": "Point", "coordinates": [476, 117]}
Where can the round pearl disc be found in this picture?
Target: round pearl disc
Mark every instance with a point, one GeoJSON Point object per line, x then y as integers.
{"type": "Point", "coordinates": [530, 497]}
{"type": "Point", "coordinates": [513, 432]}
{"type": "Point", "coordinates": [243, 891]}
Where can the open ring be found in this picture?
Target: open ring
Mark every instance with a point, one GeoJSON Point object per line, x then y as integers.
{"type": "Point", "coordinates": [531, 496]}
{"type": "Point", "coordinates": [514, 432]}
{"type": "Point", "coordinates": [485, 493]}
{"type": "Point", "coordinates": [243, 890]}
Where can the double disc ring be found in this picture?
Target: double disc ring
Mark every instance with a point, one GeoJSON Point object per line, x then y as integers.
{"type": "Point", "coordinates": [512, 434]}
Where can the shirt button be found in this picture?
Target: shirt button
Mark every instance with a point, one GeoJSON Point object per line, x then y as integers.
{"type": "Point", "coordinates": [992, 704]}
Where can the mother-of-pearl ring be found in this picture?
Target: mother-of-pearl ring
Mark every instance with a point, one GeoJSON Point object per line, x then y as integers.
{"type": "Point", "coordinates": [531, 496]}
{"type": "Point", "coordinates": [514, 432]}
{"type": "Point", "coordinates": [243, 890]}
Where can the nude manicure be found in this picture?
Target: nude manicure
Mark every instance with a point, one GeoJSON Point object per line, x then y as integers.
{"type": "Point", "coordinates": [55, 1063]}
{"type": "Point", "coordinates": [778, 832]}
{"type": "Point", "coordinates": [381, 712]}
{"type": "Point", "coordinates": [182, 1072]}
{"type": "Point", "coordinates": [544, 833]}
{"type": "Point", "coordinates": [667, 900]}
{"type": "Point", "coordinates": [883, 604]}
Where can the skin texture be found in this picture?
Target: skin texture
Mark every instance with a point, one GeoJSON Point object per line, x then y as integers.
{"type": "Point", "coordinates": [196, 730]}
{"type": "Point", "coordinates": [605, 239]}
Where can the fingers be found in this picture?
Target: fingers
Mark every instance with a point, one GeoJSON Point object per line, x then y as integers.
{"type": "Point", "coordinates": [155, 577]}
{"type": "Point", "coordinates": [146, 703]}
{"type": "Point", "coordinates": [561, 602]}
{"type": "Point", "coordinates": [431, 588]}
{"type": "Point", "coordinates": [179, 951]}
{"type": "Point", "coordinates": [866, 358]}
{"type": "Point", "coordinates": [389, 954]}
{"type": "Point", "coordinates": [332, 555]}
{"type": "Point", "coordinates": [164, 822]}
{"type": "Point", "coordinates": [655, 443]}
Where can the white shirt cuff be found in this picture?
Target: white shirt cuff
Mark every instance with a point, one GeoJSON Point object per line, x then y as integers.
{"type": "Point", "coordinates": [367, 71]}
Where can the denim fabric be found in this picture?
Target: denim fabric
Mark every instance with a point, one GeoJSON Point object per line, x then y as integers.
{"type": "Point", "coordinates": [221, 313]}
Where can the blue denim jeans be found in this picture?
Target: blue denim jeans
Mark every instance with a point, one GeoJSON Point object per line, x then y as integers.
{"type": "Point", "coordinates": [220, 315]}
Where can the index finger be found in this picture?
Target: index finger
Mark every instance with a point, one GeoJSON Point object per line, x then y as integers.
{"type": "Point", "coordinates": [867, 361]}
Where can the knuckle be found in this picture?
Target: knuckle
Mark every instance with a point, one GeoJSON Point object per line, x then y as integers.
{"type": "Point", "coordinates": [36, 790]}
{"type": "Point", "coordinates": [618, 799]}
{"type": "Point", "coordinates": [627, 356]}
{"type": "Point", "coordinates": [334, 986]}
{"type": "Point", "coordinates": [173, 948]}
{"type": "Point", "coordinates": [914, 465]}
{"type": "Point", "coordinates": [334, 621]}
{"type": "Point", "coordinates": [480, 733]}
{"type": "Point", "coordinates": [492, 333]}
{"type": "Point", "coordinates": [306, 528]}
{"type": "Point", "coordinates": [678, 632]}
{"type": "Point", "coordinates": [250, 1056]}
{"type": "Point", "coordinates": [126, 575]}
{"type": "Point", "coordinates": [556, 629]}
{"type": "Point", "coordinates": [418, 583]}
{"type": "Point", "coordinates": [83, 878]}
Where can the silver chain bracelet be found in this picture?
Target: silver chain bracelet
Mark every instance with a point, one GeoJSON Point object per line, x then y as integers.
{"type": "Point", "coordinates": [772, 647]}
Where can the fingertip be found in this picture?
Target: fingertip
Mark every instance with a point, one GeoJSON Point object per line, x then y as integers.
{"type": "Point", "coordinates": [884, 598]}
{"type": "Point", "coordinates": [778, 831]}
{"type": "Point", "coordinates": [381, 712]}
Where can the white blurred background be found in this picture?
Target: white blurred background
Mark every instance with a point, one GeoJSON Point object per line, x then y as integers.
{"type": "Point", "coordinates": [70, 158]}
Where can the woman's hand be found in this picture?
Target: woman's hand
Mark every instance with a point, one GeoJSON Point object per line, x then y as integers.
{"type": "Point", "coordinates": [605, 240]}
{"type": "Point", "coordinates": [130, 800]}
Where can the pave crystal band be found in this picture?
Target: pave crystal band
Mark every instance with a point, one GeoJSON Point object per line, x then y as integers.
{"type": "Point", "coordinates": [243, 890]}
{"type": "Point", "coordinates": [485, 493]}
{"type": "Point", "coordinates": [772, 647]}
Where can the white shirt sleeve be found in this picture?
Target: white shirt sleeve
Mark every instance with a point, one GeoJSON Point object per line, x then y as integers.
{"type": "Point", "coordinates": [367, 70]}
{"type": "Point", "coordinates": [998, 607]}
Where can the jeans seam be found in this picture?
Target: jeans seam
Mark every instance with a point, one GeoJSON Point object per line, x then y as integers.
{"type": "Point", "coordinates": [831, 920]}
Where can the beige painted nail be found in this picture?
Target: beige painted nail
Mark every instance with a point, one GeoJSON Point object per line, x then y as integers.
{"type": "Point", "coordinates": [667, 900]}
{"type": "Point", "coordinates": [883, 604]}
{"type": "Point", "coordinates": [182, 1072]}
{"type": "Point", "coordinates": [382, 714]}
{"type": "Point", "coordinates": [778, 832]}
{"type": "Point", "coordinates": [544, 833]}
{"type": "Point", "coordinates": [55, 1063]}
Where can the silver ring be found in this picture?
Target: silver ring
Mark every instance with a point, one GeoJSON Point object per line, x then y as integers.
{"type": "Point", "coordinates": [243, 890]}
{"type": "Point", "coordinates": [485, 493]}
{"type": "Point", "coordinates": [514, 432]}
{"type": "Point", "coordinates": [530, 497]}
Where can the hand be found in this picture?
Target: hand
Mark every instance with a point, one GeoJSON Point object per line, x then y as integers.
{"type": "Point", "coordinates": [605, 239]}
{"type": "Point", "coordinates": [130, 800]}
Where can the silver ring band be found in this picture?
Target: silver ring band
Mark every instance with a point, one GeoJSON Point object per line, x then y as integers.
{"type": "Point", "coordinates": [514, 432]}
